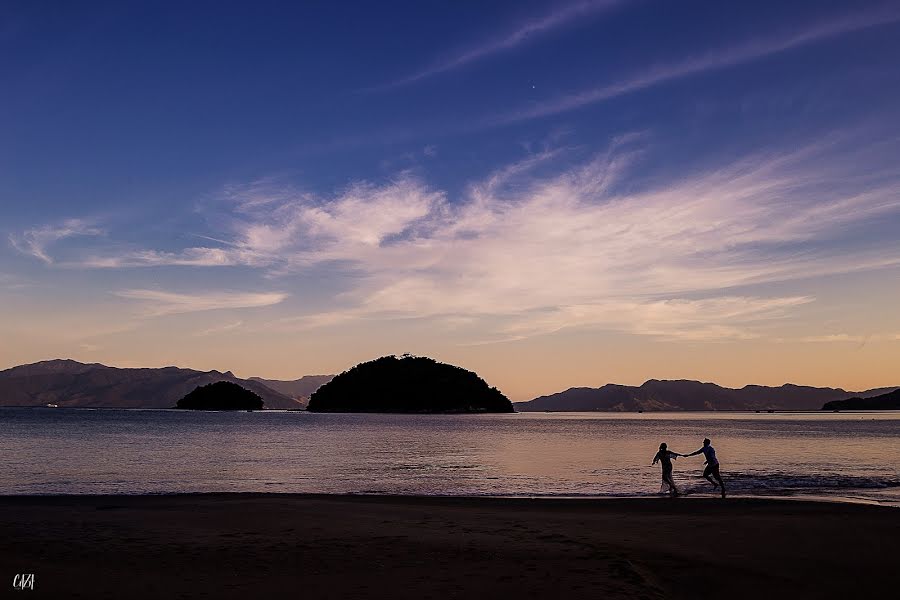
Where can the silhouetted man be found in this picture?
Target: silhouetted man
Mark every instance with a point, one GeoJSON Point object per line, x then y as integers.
{"type": "Point", "coordinates": [712, 465]}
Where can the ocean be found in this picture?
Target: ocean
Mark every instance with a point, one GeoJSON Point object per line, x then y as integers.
{"type": "Point", "coordinates": [842, 456]}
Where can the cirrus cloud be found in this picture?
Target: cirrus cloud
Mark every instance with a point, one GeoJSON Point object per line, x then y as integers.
{"type": "Point", "coordinates": [36, 242]}
{"type": "Point", "coordinates": [526, 252]}
{"type": "Point", "coordinates": [561, 15]}
{"type": "Point", "coordinates": [156, 303]}
{"type": "Point", "coordinates": [722, 58]}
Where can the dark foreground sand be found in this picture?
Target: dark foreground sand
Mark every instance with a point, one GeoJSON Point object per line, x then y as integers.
{"type": "Point", "coordinates": [255, 546]}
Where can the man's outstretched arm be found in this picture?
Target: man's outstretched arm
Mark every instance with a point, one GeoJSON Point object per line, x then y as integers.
{"type": "Point", "coordinates": [694, 453]}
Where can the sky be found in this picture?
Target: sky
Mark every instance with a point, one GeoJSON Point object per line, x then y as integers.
{"type": "Point", "coordinates": [552, 194]}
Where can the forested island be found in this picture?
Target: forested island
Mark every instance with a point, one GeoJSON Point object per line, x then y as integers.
{"type": "Point", "coordinates": [408, 384]}
{"type": "Point", "coordinates": [221, 395]}
{"type": "Point", "coordinates": [889, 401]}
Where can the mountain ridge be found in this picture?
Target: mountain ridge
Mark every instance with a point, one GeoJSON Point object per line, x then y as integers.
{"type": "Point", "coordinates": [67, 382]}
{"type": "Point", "coordinates": [686, 394]}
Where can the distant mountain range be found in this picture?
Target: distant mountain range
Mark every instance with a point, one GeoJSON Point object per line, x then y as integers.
{"type": "Point", "coordinates": [71, 383]}
{"type": "Point", "coordinates": [675, 395]}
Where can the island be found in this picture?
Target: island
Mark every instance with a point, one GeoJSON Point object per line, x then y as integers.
{"type": "Point", "coordinates": [408, 384]}
{"type": "Point", "coordinates": [889, 401]}
{"type": "Point", "coordinates": [221, 395]}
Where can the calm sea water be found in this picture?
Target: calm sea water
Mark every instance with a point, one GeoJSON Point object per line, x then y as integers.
{"type": "Point", "coordinates": [80, 451]}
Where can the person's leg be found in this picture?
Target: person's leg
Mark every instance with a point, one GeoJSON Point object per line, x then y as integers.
{"type": "Point", "coordinates": [718, 477]}
{"type": "Point", "coordinates": [666, 487]}
{"type": "Point", "coordinates": [706, 474]}
{"type": "Point", "coordinates": [673, 491]}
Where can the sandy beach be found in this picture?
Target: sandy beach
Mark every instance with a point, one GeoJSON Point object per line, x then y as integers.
{"type": "Point", "coordinates": [256, 545]}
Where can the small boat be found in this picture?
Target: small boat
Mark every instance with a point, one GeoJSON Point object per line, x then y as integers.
{"type": "Point", "coordinates": [51, 405]}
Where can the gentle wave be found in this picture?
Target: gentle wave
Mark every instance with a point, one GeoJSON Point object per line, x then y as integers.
{"type": "Point", "coordinates": [806, 482]}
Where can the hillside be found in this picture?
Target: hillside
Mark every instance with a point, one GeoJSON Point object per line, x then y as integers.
{"type": "Point", "coordinates": [298, 389]}
{"type": "Point", "coordinates": [71, 383]}
{"type": "Point", "coordinates": [657, 395]}
{"type": "Point", "coordinates": [889, 401]}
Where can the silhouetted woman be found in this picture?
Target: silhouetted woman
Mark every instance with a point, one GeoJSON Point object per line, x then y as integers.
{"type": "Point", "coordinates": [665, 457]}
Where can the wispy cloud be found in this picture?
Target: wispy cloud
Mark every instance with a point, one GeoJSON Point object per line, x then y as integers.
{"type": "Point", "coordinates": [709, 319]}
{"type": "Point", "coordinates": [849, 338]}
{"type": "Point", "coordinates": [13, 283]}
{"type": "Point", "coordinates": [35, 242]}
{"type": "Point", "coordinates": [718, 318]}
{"type": "Point", "coordinates": [224, 328]}
{"type": "Point", "coordinates": [189, 257]}
{"type": "Point", "coordinates": [561, 16]}
{"type": "Point", "coordinates": [157, 303]}
{"type": "Point", "coordinates": [713, 60]}
{"type": "Point", "coordinates": [537, 255]}
{"type": "Point", "coordinates": [525, 252]}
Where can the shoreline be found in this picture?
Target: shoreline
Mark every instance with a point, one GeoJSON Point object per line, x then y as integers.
{"type": "Point", "coordinates": [242, 544]}
{"type": "Point", "coordinates": [515, 412]}
{"type": "Point", "coordinates": [763, 498]}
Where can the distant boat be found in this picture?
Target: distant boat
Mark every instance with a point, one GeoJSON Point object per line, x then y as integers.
{"type": "Point", "coordinates": [50, 405]}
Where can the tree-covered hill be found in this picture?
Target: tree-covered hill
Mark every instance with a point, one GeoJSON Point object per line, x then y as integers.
{"type": "Point", "coordinates": [408, 384]}
{"type": "Point", "coordinates": [222, 395]}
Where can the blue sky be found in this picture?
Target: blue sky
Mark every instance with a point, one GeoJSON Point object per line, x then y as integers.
{"type": "Point", "coordinates": [488, 183]}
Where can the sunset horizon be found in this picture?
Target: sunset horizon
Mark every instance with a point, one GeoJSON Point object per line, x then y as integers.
{"type": "Point", "coordinates": [718, 211]}
{"type": "Point", "coordinates": [413, 299]}
{"type": "Point", "coordinates": [528, 396]}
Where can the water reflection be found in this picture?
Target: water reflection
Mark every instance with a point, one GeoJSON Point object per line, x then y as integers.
{"type": "Point", "coordinates": [112, 451]}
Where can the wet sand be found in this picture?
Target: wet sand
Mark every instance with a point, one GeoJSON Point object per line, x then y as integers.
{"type": "Point", "coordinates": [258, 545]}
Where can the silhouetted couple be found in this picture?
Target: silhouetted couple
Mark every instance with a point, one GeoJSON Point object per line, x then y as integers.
{"type": "Point", "coordinates": [665, 456]}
